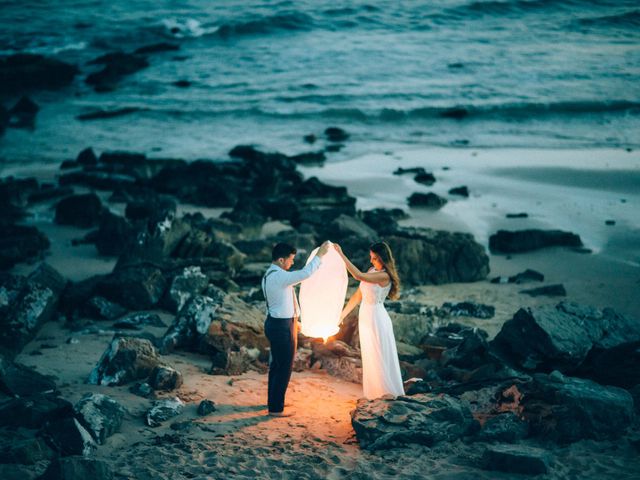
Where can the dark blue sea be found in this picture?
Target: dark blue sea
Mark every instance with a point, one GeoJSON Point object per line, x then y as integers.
{"type": "Point", "coordinates": [394, 74]}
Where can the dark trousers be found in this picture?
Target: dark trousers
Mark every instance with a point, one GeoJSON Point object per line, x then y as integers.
{"type": "Point", "coordinates": [283, 337]}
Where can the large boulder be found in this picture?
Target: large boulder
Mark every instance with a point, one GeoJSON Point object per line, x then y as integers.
{"type": "Point", "coordinates": [434, 257]}
{"type": "Point", "coordinates": [20, 243]}
{"type": "Point", "coordinates": [191, 324]}
{"type": "Point", "coordinates": [505, 241]}
{"type": "Point", "coordinates": [34, 410]}
{"type": "Point", "coordinates": [82, 210]}
{"type": "Point", "coordinates": [20, 381]}
{"type": "Point", "coordinates": [423, 419]}
{"type": "Point", "coordinates": [338, 359]}
{"type": "Point", "coordinates": [137, 287]}
{"type": "Point", "coordinates": [124, 360]}
{"type": "Point", "coordinates": [184, 286]}
{"type": "Point", "coordinates": [100, 415]}
{"type": "Point", "coordinates": [31, 306]}
{"type": "Point", "coordinates": [25, 71]}
{"type": "Point", "coordinates": [68, 437]}
{"type": "Point", "coordinates": [77, 468]}
{"type": "Point", "coordinates": [566, 409]}
{"type": "Point", "coordinates": [563, 336]}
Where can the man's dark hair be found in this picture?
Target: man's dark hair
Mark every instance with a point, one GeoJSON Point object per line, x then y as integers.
{"type": "Point", "coordinates": [282, 250]}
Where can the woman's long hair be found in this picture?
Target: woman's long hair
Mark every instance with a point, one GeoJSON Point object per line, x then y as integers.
{"type": "Point", "coordinates": [383, 251]}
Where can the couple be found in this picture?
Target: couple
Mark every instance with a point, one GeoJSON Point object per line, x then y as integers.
{"type": "Point", "coordinates": [380, 366]}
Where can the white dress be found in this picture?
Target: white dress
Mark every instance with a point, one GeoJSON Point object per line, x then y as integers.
{"type": "Point", "coordinates": [380, 365]}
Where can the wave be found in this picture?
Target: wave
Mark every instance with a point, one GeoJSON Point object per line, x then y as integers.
{"type": "Point", "coordinates": [630, 19]}
{"type": "Point", "coordinates": [269, 24]}
{"type": "Point", "coordinates": [459, 113]}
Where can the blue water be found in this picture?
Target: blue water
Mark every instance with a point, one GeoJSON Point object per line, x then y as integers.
{"type": "Point", "coordinates": [539, 73]}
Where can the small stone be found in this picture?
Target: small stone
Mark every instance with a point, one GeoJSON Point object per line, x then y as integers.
{"type": "Point", "coordinates": [206, 407]}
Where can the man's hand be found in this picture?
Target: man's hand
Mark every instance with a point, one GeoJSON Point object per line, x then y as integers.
{"type": "Point", "coordinates": [324, 248]}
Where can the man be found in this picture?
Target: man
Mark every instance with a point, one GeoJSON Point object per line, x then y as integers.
{"type": "Point", "coordinates": [282, 318]}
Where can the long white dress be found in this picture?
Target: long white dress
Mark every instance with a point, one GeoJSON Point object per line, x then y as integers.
{"type": "Point", "coordinates": [380, 365]}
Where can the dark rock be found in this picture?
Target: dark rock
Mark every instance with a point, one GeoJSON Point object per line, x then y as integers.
{"type": "Point", "coordinates": [20, 243]}
{"type": "Point", "coordinates": [102, 309]}
{"type": "Point", "coordinates": [164, 377]}
{"type": "Point", "coordinates": [462, 191]}
{"type": "Point", "coordinates": [345, 226]}
{"type": "Point", "coordinates": [34, 305]}
{"type": "Point", "coordinates": [68, 437]}
{"type": "Point", "coordinates": [309, 158]}
{"type": "Point", "coordinates": [136, 320]}
{"type": "Point", "coordinates": [163, 410]}
{"type": "Point", "coordinates": [610, 222]}
{"type": "Point", "coordinates": [184, 286]}
{"type": "Point", "coordinates": [206, 407]}
{"type": "Point", "coordinates": [77, 468]}
{"type": "Point", "coordinates": [556, 290]}
{"type": "Point", "coordinates": [142, 389]}
{"type": "Point", "coordinates": [87, 157]}
{"type": "Point", "coordinates": [125, 360]}
{"type": "Point", "coordinates": [429, 256]}
{"type": "Point", "coordinates": [517, 215]}
{"type": "Point", "coordinates": [427, 200]}
{"type": "Point", "coordinates": [336, 134]}
{"type": "Point", "coordinates": [114, 235]}
{"type": "Point", "coordinates": [334, 147]}
{"type": "Point", "coordinates": [523, 277]}
{"type": "Point", "coordinates": [311, 138]}
{"type": "Point", "coordinates": [157, 47]}
{"type": "Point", "coordinates": [467, 309]}
{"type": "Point", "coordinates": [457, 113]}
{"type": "Point", "coordinates": [191, 323]}
{"type": "Point", "coordinates": [136, 287]}
{"type": "Point", "coordinates": [26, 451]}
{"type": "Point", "coordinates": [100, 415]}
{"type": "Point", "coordinates": [47, 192]}
{"type": "Point", "coordinates": [19, 380]}
{"type": "Point", "coordinates": [25, 71]}
{"type": "Point", "coordinates": [415, 170]}
{"type": "Point", "coordinates": [182, 83]}
{"type": "Point", "coordinates": [116, 66]}
{"type": "Point", "coordinates": [516, 459]}
{"type": "Point", "coordinates": [33, 410]}
{"type": "Point", "coordinates": [338, 359]}
{"type": "Point", "coordinates": [101, 114]}
{"type": "Point", "coordinates": [82, 210]}
{"type": "Point", "coordinates": [384, 221]}
{"type": "Point", "coordinates": [505, 427]}
{"type": "Point", "coordinates": [4, 119]}
{"type": "Point", "coordinates": [425, 178]}
{"type": "Point", "coordinates": [566, 409]}
{"type": "Point", "coordinates": [424, 419]}
{"type": "Point", "coordinates": [527, 240]}
{"type": "Point", "coordinates": [471, 352]}
{"type": "Point", "coordinates": [23, 113]}
{"type": "Point", "coordinates": [152, 207]}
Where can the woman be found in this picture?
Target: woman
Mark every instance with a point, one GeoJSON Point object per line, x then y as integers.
{"type": "Point", "coordinates": [380, 365]}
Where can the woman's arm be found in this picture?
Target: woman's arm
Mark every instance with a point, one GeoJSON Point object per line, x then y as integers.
{"type": "Point", "coordinates": [381, 278]}
{"type": "Point", "coordinates": [355, 299]}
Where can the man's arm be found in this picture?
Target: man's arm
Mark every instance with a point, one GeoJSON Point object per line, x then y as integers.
{"type": "Point", "coordinates": [293, 278]}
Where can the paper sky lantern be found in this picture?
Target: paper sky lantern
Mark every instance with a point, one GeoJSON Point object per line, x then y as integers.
{"type": "Point", "coordinates": [322, 296]}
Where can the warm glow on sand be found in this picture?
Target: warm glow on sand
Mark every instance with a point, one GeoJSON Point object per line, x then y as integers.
{"type": "Point", "coordinates": [322, 297]}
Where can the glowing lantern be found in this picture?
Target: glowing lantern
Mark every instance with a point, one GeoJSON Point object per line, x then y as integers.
{"type": "Point", "coordinates": [322, 296]}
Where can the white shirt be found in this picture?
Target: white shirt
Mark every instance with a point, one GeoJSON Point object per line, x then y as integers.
{"type": "Point", "coordinates": [277, 285]}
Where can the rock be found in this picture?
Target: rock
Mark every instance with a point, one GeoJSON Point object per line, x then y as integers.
{"type": "Point", "coordinates": [4, 119]}
{"type": "Point", "coordinates": [114, 235]}
{"type": "Point", "coordinates": [102, 309]}
{"type": "Point", "coordinates": [77, 468]}
{"type": "Point", "coordinates": [20, 381]}
{"type": "Point", "coordinates": [339, 360]}
{"type": "Point", "coordinates": [23, 113]}
{"type": "Point", "coordinates": [561, 337]}
{"type": "Point", "coordinates": [82, 210]}
{"type": "Point", "coordinates": [33, 410]}
{"type": "Point", "coordinates": [467, 309]}
{"type": "Point", "coordinates": [382, 220]}
{"type": "Point", "coordinates": [157, 47]}
{"type": "Point", "coordinates": [20, 243]}
{"type": "Point", "coordinates": [345, 226]}
{"type": "Point", "coordinates": [236, 360]}
{"type": "Point", "coordinates": [566, 409]}
{"type": "Point", "coordinates": [461, 191]}
{"type": "Point", "coordinates": [125, 360]}
{"type": "Point", "coordinates": [516, 459]}
{"type": "Point", "coordinates": [136, 287]}
{"type": "Point", "coordinates": [610, 222]}
{"type": "Point", "coordinates": [310, 138]}
{"type": "Point", "coordinates": [17, 472]}
{"type": "Point", "coordinates": [457, 113]}
{"type": "Point", "coordinates": [24, 71]}
{"type": "Point", "coordinates": [471, 352]}
{"type": "Point", "coordinates": [556, 290]}
{"type": "Point", "coordinates": [428, 200]}
{"type": "Point", "coordinates": [309, 158]}
{"type": "Point", "coordinates": [136, 320]}
{"type": "Point", "coordinates": [68, 437]}
{"type": "Point", "coordinates": [436, 257]}
{"type": "Point", "coordinates": [100, 113]}
{"type": "Point", "coordinates": [143, 390]}
{"type": "Point", "coordinates": [336, 134]}
{"type": "Point", "coordinates": [191, 324]}
{"type": "Point", "coordinates": [163, 410]}
{"type": "Point", "coordinates": [116, 66]}
{"type": "Point", "coordinates": [165, 378]}
{"type": "Point", "coordinates": [517, 215]}
{"type": "Point", "coordinates": [206, 407]}
{"type": "Point", "coordinates": [527, 240]}
{"type": "Point", "coordinates": [505, 427]}
{"type": "Point", "coordinates": [523, 277]}
{"type": "Point", "coordinates": [26, 451]}
{"type": "Point", "coordinates": [87, 157]}
{"type": "Point", "coordinates": [49, 192]}
{"type": "Point", "coordinates": [34, 305]}
{"type": "Point", "coordinates": [412, 170]}
{"type": "Point", "coordinates": [424, 419]}
{"type": "Point", "coordinates": [100, 415]}
{"type": "Point", "coordinates": [182, 83]}
{"type": "Point", "coordinates": [425, 178]}
{"type": "Point", "coordinates": [184, 286]}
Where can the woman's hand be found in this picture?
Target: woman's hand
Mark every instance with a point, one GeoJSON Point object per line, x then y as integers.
{"type": "Point", "coordinates": [338, 249]}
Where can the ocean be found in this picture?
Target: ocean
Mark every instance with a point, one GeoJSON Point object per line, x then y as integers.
{"type": "Point", "coordinates": [393, 74]}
